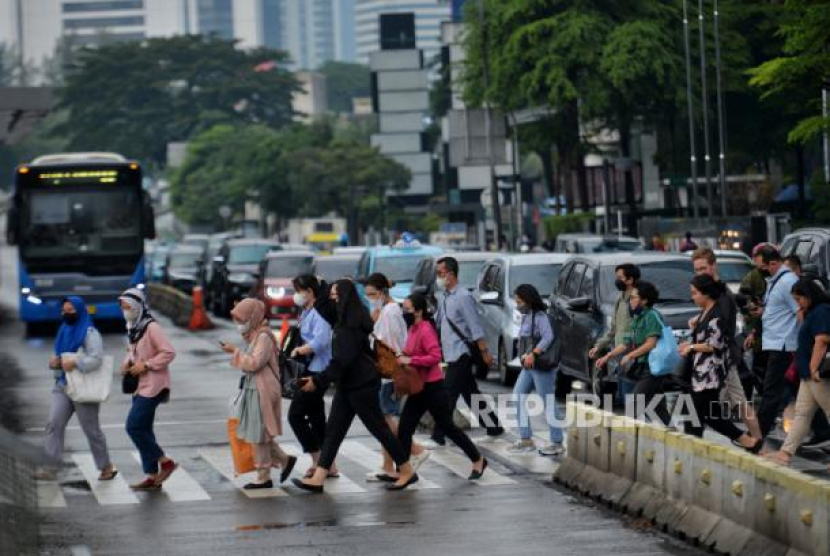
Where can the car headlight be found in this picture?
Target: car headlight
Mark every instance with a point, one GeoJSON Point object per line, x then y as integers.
{"type": "Point", "coordinates": [240, 277]}
{"type": "Point", "coordinates": [275, 293]}
{"type": "Point", "coordinates": [517, 318]}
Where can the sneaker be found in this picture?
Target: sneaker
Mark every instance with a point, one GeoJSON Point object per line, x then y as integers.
{"type": "Point", "coordinates": [495, 432]}
{"type": "Point", "coordinates": [817, 441]}
{"type": "Point", "coordinates": [431, 444]}
{"type": "Point", "coordinates": [418, 461]}
{"type": "Point", "coordinates": [522, 447]}
{"type": "Point", "coordinates": [553, 449]}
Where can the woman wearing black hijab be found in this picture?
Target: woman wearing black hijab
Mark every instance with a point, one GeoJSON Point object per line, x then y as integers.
{"type": "Point", "coordinates": [352, 368]}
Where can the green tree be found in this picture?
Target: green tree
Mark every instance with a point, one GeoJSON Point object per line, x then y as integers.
{"type": "Point", "coordinates": [136, 97]}
{"type": "Point", "coordinates": [344, 82]}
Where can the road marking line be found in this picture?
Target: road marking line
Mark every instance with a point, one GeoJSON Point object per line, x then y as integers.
{"type": "Point", "coordinates": [533, 461]}
{"type": "Point", "coordinates": [108, 493]}
{"type": "Point", "coordinates": [220, 458]}
{"type": "Point", "coordinates": [368, 458]}
{"type": "Point", "coordinates": [181, 486]}
{"type": "Point", "coordinates": [156, 424]}
{"type": "Point", "coordinates": [80, 550]}
{"type": "Point", "coordinates": [458, 463]}
{"type": "Point", "coordinates": [50, 495]}
{"type": "Point", "coordinates": [340, 485]}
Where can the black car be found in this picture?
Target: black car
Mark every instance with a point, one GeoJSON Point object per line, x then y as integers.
{"type": "Point", "coordinates": [184, 268]}
{"type": "Point", "coordinates": [812, 245]}
{"type": "Point", "coordinates": [235, 271]}
{"type": "Point", "coordinates": [582, 305]}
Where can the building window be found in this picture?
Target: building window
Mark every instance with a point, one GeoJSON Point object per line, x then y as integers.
{"type": "Point", "coordinates": [103, 6]}
{"type": "Point", "coordinates": [216, 17]}
{"type": "Point", "coordinates": [103, 22]}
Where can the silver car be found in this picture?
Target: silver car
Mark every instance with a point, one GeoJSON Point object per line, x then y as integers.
{"type": "Point", "coordinates": [497, 282]}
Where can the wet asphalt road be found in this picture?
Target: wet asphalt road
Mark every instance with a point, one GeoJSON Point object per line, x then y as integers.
{"type": "Point", "coordinates": [516, 511]}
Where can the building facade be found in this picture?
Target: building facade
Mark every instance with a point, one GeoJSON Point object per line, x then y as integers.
{"type": "Point", "coordinates": [429, 14]}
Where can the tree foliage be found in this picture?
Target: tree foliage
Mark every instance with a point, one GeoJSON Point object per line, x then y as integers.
{"type": "Point", "coordinates": [344, 82]}
{"type": "Point", "coordinates": [136, 97]}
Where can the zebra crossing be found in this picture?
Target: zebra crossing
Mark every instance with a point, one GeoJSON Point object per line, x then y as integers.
{"type": "Point", "coordinates": [196, 478]}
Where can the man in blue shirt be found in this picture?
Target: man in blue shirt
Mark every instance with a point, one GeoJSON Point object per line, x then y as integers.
{"type": "Point", "coordinates": [457, 306]}
{"type": "Point", "coordinates": [780, 332]}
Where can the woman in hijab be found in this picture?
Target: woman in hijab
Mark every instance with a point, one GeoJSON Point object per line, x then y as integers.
{"type": "Point", "coordinates": [76, 333]}
{"type": "Point", "coordinates": [260, 409]}
{"type": "Point", "coordinates": [149, 355]}
{"type": "Point", "coordinates": [352, 367]}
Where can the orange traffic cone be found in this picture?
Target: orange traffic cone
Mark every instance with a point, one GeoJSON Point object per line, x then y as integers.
{"type": "Point", "coordinates": [283, 330]}
{"type": "Point", "coordinates": [199, 319]}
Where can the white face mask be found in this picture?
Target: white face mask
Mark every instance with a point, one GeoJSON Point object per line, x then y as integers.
{"type": "Point", "coordinates": [441, 284]}
{"type": "Point", "coordinates": [243, 328]}
{"type": "Point", "coordinates": [377, 303]}
{"type": "Point", "coordinates": [299, 299]}
{"type": "Point", "coordinates": [130, 315]}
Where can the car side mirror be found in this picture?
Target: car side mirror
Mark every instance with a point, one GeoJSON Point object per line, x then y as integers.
{"type": "Point", "coordinates": [490, 298]}
{"type": "Point", "coordinates": [580, 304]}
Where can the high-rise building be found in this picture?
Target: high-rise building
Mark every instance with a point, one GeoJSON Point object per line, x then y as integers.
{"type": "Point", "coordinates": [428, 17]}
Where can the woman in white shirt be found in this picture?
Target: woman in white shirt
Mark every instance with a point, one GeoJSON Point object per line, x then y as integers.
{"type": "Point", "coordinates": [391, 329]}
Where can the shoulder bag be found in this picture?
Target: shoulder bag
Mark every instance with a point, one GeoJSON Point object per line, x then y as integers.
{"type": "Point", "coordinates": [664, 358]}
{"type": "Point", "coordinates": [91, 387]}
{"type": "Point", "coordinates": [475, 353]}
{"type": "Point", "coordinates": [386, 360]}
{"type": "Point", "coordinates": [549, 359]}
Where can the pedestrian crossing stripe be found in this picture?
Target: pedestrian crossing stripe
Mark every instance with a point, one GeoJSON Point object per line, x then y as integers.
{"type": "Point", "coordinates": [220, 458]}
{"type": "Point", "coordinates": [458, 463]}
{"type": "Point", "coordinates": [371, 460]}
{"type": "Point", "coordinates": [50, 495]}
{"type": "Point", "coordinates": [108, 493]}
{"type": "Point", "coordinates": [181, 486]}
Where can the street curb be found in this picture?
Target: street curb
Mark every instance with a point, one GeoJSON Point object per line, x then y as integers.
{"type": "Point", "coordinates": [720, 497]}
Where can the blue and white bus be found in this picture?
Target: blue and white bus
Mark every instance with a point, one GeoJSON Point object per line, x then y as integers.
{"type": "Point", "coordinates": [80, 221]}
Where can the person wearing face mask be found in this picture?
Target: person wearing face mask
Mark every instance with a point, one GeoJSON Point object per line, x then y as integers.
{"type": "Point", "coordinates": [779, 324]}
{"type": "Point", "coordinates": [535, 338]}
{"type": "Point", "coordinates": [260, 409]}
{"type": "Point", "coordinates": [422, 351]}
{"type": "Point", "coordinates": [646, 329]}
{"type": "Point", "coordinates": [77, 334]}
{"type": "Point", "coordinates": [307, 413]}
{"type": "Point", "coordinates": [149, 355]}
{"type": "Point", "coordinates": [390, 328]}
{"type": "Point", "coordinates": [614, 342]}
{"type": "Point", "coordinates": [352, 367]}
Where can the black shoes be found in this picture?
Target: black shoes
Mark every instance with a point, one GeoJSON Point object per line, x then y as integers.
{"type": "Point", "coordinates": [476, 475]}
{"type": "Point", "coordinates": [310, 488]}
{"type": "Point", "coordinates": [412, 480]}
{"type": "Point", "coordinates": [258, 486]}
{"type": "Point", "coordinates": [289, 467]}
{"type": "Point", "coordinates": [495, 431]}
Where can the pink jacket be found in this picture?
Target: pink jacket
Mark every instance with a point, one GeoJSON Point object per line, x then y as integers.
{"type": "Point", "coordinates": [157, 352]}
{"type": "Point", "coordinates": [424, 350]}
{"type": "Point", "coordinates": [262, 362]}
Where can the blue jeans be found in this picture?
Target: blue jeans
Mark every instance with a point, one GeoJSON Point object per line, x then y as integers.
{"type": "Point", "coordinates": [140, 428]}
{"type": "Point", "coordinates": [544, 382]}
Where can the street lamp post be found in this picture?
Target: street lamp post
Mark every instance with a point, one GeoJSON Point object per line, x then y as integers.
{"type": "Point", "coordinates": [690, 111]}
{"type": "Point", "coordinates": [721, 117]}
{"type": "Point", "coordinates": [494, 187]}
{"type": "Point", "coordinates": [704, 93]}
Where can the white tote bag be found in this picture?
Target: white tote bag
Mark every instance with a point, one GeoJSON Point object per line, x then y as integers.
{"type": "Point", "coordinates": [92, 387]}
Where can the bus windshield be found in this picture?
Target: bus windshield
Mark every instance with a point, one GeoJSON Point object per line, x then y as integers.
{"type": "Point", "coordinates": [78, 221]}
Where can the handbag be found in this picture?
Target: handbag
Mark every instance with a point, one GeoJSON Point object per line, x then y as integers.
{"type": "Point", "coordinates": [242, 453]}
{"type": "Point", "coordinates": [91, 387]}
{"type": "Point", "coordinates": [291, 369]}
{"type": "Point", "coordinates": [664, 358]}
{"type": "Point", "coordinates": [547, 360]}
{"type": "Point", "coordinates": [407, 381]}
{"type": "Point", "coordinates": [386, 360]}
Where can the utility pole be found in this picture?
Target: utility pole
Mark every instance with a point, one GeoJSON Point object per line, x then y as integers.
{"type": "Point", "coordinates": [826, 140]}
{"type": "Point", "coordinates": [704, 93]}
{"type": "Point", "coordinates": [721, 118]}
{"type": "Point", "coordinates": [690, 110]}
{"type": "Point", "coordinates": [494, 186]}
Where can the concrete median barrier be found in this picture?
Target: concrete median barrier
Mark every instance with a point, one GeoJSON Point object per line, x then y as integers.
{"type": "Point", "coordinates": [170, 302]}
{"type": "Point", "coordinates": [716, 495]}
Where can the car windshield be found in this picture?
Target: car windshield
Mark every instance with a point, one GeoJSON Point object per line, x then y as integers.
{"type": "Point", "coordinates": [671, 278]}
{"type": "Point", "coordinates": [184, 260]}
{"type": "Point", "coordinates": [333, 270]}
{"type": "Point", "coordinates": [733, 271]}
{"type": "Point", "coordinates": [609, 245]}
{"type": "Point", "coordinates": [398, 269]}
{"type": "Point", "coordinates": [289, 267]}
{"type": "Point", "coordinates": [541, 276]}
{"type": "Point", "coordinates": [249, 254]}
{"type": "Point", "coordinates": [468, 273]}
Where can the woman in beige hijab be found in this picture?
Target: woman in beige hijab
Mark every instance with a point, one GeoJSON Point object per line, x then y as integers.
{"type": "Point", "coordinates": [260, 408]}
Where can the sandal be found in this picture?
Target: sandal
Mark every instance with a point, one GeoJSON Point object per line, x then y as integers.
{"type": "Point", "coordinates": [108, 473]}
{"type": "Point", "coordinates": [776, 457]}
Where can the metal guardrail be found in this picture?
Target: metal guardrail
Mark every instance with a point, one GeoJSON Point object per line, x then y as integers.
{"type": "Point", "coordinates": [19, 520]}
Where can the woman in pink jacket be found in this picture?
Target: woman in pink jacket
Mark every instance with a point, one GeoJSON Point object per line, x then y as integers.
{"type": "Point", "coordinates": [260, 408]}
{"type": "Point", "coordinates": [148, 357]}
{"type": "Point", "coordinates": [423, 351]}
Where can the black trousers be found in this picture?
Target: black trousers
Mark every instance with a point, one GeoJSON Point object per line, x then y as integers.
{"type": "Point", "coordinates": [774, 387]}
{"type": "Point", "coordinates": [460, 381]}
{"type": "Point", "coordinates": [365, 404]}
{"type": "Point", "coordinates": [434, 398]}
{"type": "Point", "coordinates": [651, 386]}
{"type": "Point", "coordinates": [307, 417]}
{"type": "Point", "coordinates": [713, 414]}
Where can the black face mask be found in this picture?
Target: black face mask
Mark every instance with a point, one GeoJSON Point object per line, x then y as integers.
{"type": "Point", "coordinates": [70, 318]}
{"type": "Point", "coordinates": [409, 319]}
{"type": "Point", "coordinates": [620, 285]}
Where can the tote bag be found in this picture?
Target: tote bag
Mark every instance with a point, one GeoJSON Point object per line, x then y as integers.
{"type": "Point", "coordinates": [91, 387]}
{"type": "Point", "coordinates": [664, 358]}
